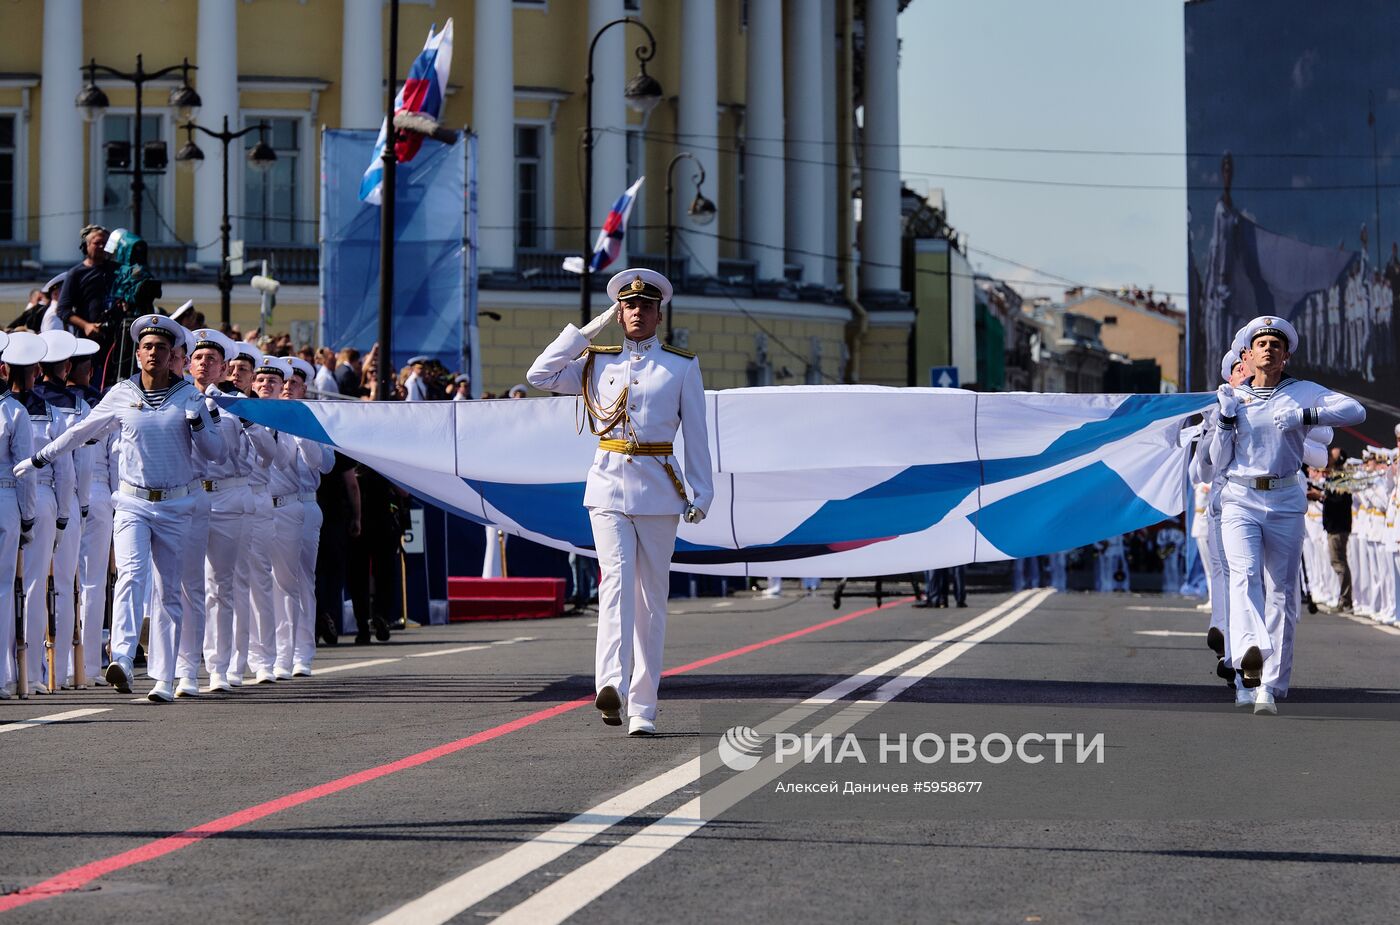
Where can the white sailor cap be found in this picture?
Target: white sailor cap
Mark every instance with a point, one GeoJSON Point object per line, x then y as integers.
{"type": "Point", "coordinates": [1228, 364]}
{"type": "Point", "coordinates": [60, 345]}
{"type": "Point", "coordinates": [55, 283]}
{"type": "Point", "coordinates": [1240, 343]}
{"type": "Point", "coordinates": [179, 313]}
{"type": "Point", "coordinates": [301, 368]}
{"type": "Point", "coordinates": [214, 339]}
{"type": "Point", "coordinates": [85, 348]}
{"type": "Point", "coordinates": [276, 365]}
{"type": "Point", "coordinates": [639, 283]}
{"type": "Point", "coordinates": [414, 361]}
{"type": "Point", "coordinates": [1397, 430]}
{"type": "Point", "coordinates": [1272, 324]}
{"type": "Point", "coordinates": [157, 324]}
{"type": "Point", "coordinates": [246, 351]}
{"type": "Point", "coordinates": [5, 339]}
{"type": "Point", "coordinates": [25, 348]}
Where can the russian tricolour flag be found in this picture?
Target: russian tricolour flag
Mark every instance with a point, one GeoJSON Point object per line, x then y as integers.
{"type": "Point", "coordinates": [610, 237]}
{"type": "Point", "coordinates": [423, 91]}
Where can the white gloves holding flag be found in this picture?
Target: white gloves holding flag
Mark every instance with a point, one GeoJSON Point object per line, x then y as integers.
{"type": "Point", "coordinates": [1228, 400]}
{"type": "Point", "coordinates": [693, 515]}
{"type": "Point", "coordinates": [595, 327]}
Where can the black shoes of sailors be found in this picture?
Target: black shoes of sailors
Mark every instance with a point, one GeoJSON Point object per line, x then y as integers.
{"type": "Point", "coordinates": [117, 677]}
{"type": "Point", "coordinates": [381, 629]}
{"type": "Point", "coordinates": [1225, 672]}
{"type": "Point", "coordinates": [1251, 666]}
{"type": "Point", "coordinates": [1216, 640]}
{"type": "Point", "coordinates": [609, 703]}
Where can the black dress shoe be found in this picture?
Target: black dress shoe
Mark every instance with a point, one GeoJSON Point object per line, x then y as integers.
{"type": "Point", "coordinates": [1216, 640]}
{"type": "Point", "coordinates": [962, 603]}
{"type": "Point", "coordinates": [609, 703]}
{"type": "Point", "coordinates": [923, 604]}
{"type": "Point", "coordinates": [381, 629]}
{"type": "Point", "coordinates": [362, 639]}
{"type": "Point", "coordinates": [1251, 666]}
{"type": "Point", "coordinates": [1225, 671]}
{"type": "Point", "coordinates": [326, 630]}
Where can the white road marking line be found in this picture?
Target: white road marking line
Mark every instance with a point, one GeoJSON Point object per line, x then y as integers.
{"type": "Point", "coordinates": [51, 718]}
{"type": "Point", "coordinates": [722, 604]}
{"type": "Point", "coordinates": [484, 645]}
{"type": "Point", "coordinates": [461, 893]}
{"type": "Point", "coordinates": [569, 894]}
{"type": "Point", "coordinates": [350, 666]}
{"type": "Point", "coordinates": [1168, 633]}
{"type": "Point", "coordinates": [1159, 609]}
{"type": "Point", "coordinates": [1367, 621]}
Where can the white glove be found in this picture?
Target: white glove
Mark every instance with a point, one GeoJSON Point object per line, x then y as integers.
{"type": "Point", "coordinates": [24, 467]}
{"type": "Point", "coordinates": [595, 327]}
{"type": "Point", "coordinates": [693, 515]}
{"type": "Point", "coordinates": [1288, 418]}
{"type": "Point", "coordinates": [1229, 401]}
{"type": "Point", "coordinates": [213, 407]}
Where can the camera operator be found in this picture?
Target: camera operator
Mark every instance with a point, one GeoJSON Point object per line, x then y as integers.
{"type": "Point", "coordinates": [83, 299]}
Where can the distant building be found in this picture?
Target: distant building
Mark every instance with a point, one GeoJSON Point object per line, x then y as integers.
{"type": "Point", "coordinates": [1138, 327]}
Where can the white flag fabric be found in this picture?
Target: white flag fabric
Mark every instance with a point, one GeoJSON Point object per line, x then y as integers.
{"type": "Point", "coordinates": [820, 481]}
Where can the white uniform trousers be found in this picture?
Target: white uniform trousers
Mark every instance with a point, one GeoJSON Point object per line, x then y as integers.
{"type": "Point", "coordinates": [304, 643]}
{"type": "Point", "coordinates": [94, 560]}
{"type": "Point", "coordinates": [1385, 568]}
{"type": "Point", "coordinates": [65, 576]}
{"type": "Point", "coordinates": [38, 559]}
{"type": "Point", "coordinates": [192, 626]}
{"type": "Point", "coordinates": [1203, 553]}
{"type": "Point", "coordinates": [1262, 534]}
{"type": "Point", "coordinates": [634, 557]}
{"type": "Point", "coordinates": [1112, 562]}
{"type": "Point", "coordinates": [148, 540]}
{"type": "Point", "coordinates": [285, 543]}
{"type": "Point", "coordinates": [1219, 570]}
{"type": "Point", "coordinates": [227, 531]}
{"type": "Point", "coordinates": [9, 548]}
{"type": "Point", "coordinates": [255, 574]}
{"type": "Point", "coordinates": [1172, 567]}
{"type": "Point", "coordinates": [1059, 577]}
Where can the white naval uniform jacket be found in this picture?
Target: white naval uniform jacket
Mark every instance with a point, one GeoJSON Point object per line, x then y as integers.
{"type": "Point", "coordinates": [154, 444]}
{"type": "Point", "coordinates": [665, 394]}
{"type": "Point", "coordinates": [1254, 447]}
{"type": "Point", "coordinates": [16, 445]}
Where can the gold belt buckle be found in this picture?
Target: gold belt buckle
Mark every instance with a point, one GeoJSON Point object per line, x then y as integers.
{"type": "Point", "coordinates": [154, 494]}
{"type": "Point", "coordinates": [631, 448]}
{"type": "Point", "coordinates": [209, 485]}
{"type": "Point", "coordinates": [1263, 484]}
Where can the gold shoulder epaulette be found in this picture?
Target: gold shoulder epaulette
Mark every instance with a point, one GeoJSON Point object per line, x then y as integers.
{"type": "Point", "coordinates": [614, 349]}
{"type": "Point", "coordinates": [678, 351]}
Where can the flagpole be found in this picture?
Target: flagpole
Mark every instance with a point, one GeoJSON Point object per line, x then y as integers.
{"type": "Point", "coordinates": [385, 371]}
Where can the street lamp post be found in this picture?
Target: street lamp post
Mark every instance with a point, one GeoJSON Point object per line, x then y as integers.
{"type": "Point", "coordinates": [93, 101]}
{"type": "Point", "coordinates": [701, 211]}
{"type": "Point", "coordinates": [260, 157]}
{"type": "Point", "coordinates": [384, 372]}
{"type": "Point", "coordinates": [642, 93]}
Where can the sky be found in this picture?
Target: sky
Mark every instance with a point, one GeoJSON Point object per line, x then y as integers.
{"type": "Point", "coordinates": [1088, 75]}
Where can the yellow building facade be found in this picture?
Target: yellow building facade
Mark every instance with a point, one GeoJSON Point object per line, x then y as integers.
{"type": "Point", "coordinates": [760, 92]}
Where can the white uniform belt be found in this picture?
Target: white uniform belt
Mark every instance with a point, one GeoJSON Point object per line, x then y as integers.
{"type": "Point", "coordinates": [1264, 483]}
{"type": "Point", "coordinates": [8, 483]}
{"type": "Point", "coordinates": [307, 496]}
{"type": "Point", "coordinates": [154, 494]}
{"type": "Point", "coordinates": [284, 500]}
{"type": "Point", "coordinates": [213, 485]}
{"type": "Point", "coordinates": [259, 489]}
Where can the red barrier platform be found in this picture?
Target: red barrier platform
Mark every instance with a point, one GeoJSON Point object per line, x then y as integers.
{"type": "Point", "coordinates": [504, 599]}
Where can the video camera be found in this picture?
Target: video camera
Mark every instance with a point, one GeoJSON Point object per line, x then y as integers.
{"type": "Point", "coordinates": [134, 289]}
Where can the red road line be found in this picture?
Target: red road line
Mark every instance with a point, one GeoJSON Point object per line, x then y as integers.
{"type": "Point", "coordinates": [79, 877]}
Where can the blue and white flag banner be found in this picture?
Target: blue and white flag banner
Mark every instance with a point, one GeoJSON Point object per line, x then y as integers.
{"type": "Point", "coordinates": [819, 481]}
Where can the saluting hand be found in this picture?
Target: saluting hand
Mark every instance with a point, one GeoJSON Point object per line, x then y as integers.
{"type": "Point", "coordinates": [595, 327]}
{"type": "Point", "coordinates": [1288, 418]}
{"type": "Point", "coordinates": [1229, 402]}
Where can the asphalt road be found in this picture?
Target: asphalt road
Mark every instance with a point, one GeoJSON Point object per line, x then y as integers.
{"type": "Point", "coordinates": [459, 774]}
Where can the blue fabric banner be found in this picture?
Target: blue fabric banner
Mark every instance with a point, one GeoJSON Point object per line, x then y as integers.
{"type": "Point", "coordinates": [429, 275]}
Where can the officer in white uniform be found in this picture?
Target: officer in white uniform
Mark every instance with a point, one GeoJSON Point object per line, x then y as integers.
{"type": "Point", "coordinates": [312, 460]}
{"type": "Point", "coordinates": [95, 545]}
{"type": "Point", "coordinates": [1259, 446]}
{"type": "Point", "coordinates": [415, 384]}
{"type": "Point", "coordinates": [161, 419]}
{"type": "Point", "coordinates": [266, 640]}
{"type": "Point", "coordinates": [636, 396]}
{"type": "Point", "coordinates": [17, 510]}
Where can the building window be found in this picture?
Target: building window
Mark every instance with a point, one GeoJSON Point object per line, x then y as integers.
{"type": "Point", "coordinates": [632, 6]}
{"type": "Point", "coordinates": [531, 185]}
{"type": "Point", "coordinates": [272, 197]}
{"type": "Point", "coordinates": [114, 192]}
{"type": "Point", "coordinates": [9, 176]}
{"type": "Point", "coordinates": [636, 167]}
{"type": "Point", "coordinates": [1110, 319]}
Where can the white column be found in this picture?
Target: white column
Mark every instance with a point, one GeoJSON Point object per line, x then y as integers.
{"type": "Point", "coordinates": [61, 161]}
{"type": "Point", "coordinates": [362, 64]}
{"type": "Point", "coordinates": [880, 220]}
{"type": "Point", "coordinates": [763, 139]}
{"type": "Point", "coordinates": [613, 64]}
{"type": "Point", "coordinates": [830, 155]}
{"type": "Point", "coordinates": [697, 132]}
{"type": "Point", "coordinates": [493, 118]}
{"type": "Point", "coordinates": [216, 53]}
{"type": "Point", "coordinates": [802, 81]}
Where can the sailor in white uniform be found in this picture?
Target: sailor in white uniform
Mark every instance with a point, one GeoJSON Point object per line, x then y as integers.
{"type": "Point", "coordinates": [17, 509]}
{"type": "Point", "coordinates": [161, 420]}
{"type": "Point", "coordinates": [273, 452]}
{"type": "Point", "coordinates": [95, 546]}
{"type": "Point", "coordinates": [637, 396]}
{"type": "Point", "coordinates": [1259, 447]}
{"type": "Point", "coordinates": [1112, 573]}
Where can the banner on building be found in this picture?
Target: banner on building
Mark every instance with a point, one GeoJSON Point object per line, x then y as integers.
{"type": "Point", "coordinates": [1294, 189]}
{"type": "Point", "coordinates": [429, 272]}
{"type": "Point", "coordinates": [916, 479]}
